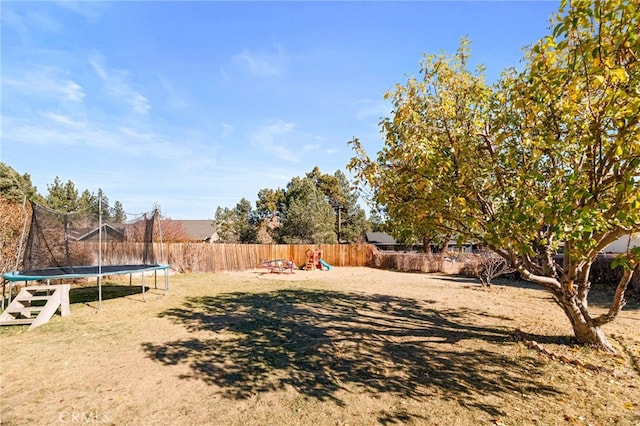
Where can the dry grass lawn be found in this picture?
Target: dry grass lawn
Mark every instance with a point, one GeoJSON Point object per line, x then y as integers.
{"type": "Point", "coordinates": [351, 346]}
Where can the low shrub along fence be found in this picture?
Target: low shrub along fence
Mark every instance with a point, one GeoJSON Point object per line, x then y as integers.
{"type": "Point", "coordinates": [466, 264]}
{"type": "Point", "coordinates": [416, 262]}
{"type": "Point", "coordinates": [602, 276]}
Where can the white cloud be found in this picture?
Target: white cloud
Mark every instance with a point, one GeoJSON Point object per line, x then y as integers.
{"type": "Point", "coordinates": [99, 69]}
{"type": "Point", "coordinates": [34, 19]}
{"type": "Point", "coordinates": [139, 103]}
{"type": "Point", "coordinates": [58, 130]}
{"type": "Point", "coordinates": [117, 87]}
{"type": "Point", "coordinates": [14, 21]}
{"type": "Point", "coordinates": [64, 131]}
{"type": "Point", "coordinates": [227, 129]}
{"type": "Point", "coordinates": [73, 91]}
{"type": "Point", "coordinates": [276, 128]}
{"type": "Point", "coordinates": [127, 131]}
{"type": "Point", "coordinates": [271, 138]}
{"type": "Point", "coordinates": [48, 82]}
{"type": "Point", "coordinates": [41, 20]}
{"type": "Point", "coordinates": [174, 99]}
{"type": "Point", "coordinates": [282, 140]}
{"type": "Point", "coordinates": [260, 64]}
{"type": "Point", "coordinates": [89, 10]}
{"type": "Point", "coordinates": [65, 120]}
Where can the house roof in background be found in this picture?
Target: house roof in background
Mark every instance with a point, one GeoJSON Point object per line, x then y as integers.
{"type": "Point", "coordinates": [199, 230]}
{"type": "Point", "coordinates": [380, 238]}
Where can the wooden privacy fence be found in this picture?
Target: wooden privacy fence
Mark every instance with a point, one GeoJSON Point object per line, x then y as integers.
{"type": "Point", "coordinates": [205, 257]}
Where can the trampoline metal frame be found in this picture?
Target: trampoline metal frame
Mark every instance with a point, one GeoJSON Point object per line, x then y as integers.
{"type": "Point", "coordinates": [103, 271]}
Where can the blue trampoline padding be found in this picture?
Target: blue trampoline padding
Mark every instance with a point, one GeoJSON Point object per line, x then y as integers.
{"type": "Point", "coordinates": [58, 273]}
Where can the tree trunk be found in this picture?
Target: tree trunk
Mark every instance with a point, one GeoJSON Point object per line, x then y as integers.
{"type": "Point", "coordinates": [426, 244]}
{"type": "Point", "coordinates": [585, 330]}
{"type": "Point", "coordinates": [570, 293]}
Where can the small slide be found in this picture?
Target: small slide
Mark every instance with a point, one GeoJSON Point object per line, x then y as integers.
{"type": "Point", "coordinates": [325, 264]}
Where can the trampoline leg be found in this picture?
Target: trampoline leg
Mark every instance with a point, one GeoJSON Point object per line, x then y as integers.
{"type": "Point", "coordinates": [143, 299]}
{"type": "Point", "coordinates": [166, 281]}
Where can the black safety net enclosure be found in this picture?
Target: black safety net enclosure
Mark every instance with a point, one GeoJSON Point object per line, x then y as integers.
{"type": "Point", "coordinates": [65, 246]}
{"type": "Point", "coordinates": [68, 241]}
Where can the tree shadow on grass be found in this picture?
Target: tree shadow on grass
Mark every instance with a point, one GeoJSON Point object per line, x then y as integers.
{"type": "Point", "coordinates": [321, 342]}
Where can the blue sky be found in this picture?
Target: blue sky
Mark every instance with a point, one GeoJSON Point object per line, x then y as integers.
{"type": "Point", "coordinates": [194, 105]}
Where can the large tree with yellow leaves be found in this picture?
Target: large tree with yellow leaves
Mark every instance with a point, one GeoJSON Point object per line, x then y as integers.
{"type": "Point", "coordinates": [546, 160]}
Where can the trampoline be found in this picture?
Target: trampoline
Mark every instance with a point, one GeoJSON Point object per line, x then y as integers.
{"type": "Point", "coordinates": [71, 272]}
{"type": "Point", "coordinates": [61, 244]}
{"type": "Point", "coordinates": [76, 272]}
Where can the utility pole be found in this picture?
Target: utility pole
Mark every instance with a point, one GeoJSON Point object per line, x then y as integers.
{"type": "Point", "coordinates": [339, 223]}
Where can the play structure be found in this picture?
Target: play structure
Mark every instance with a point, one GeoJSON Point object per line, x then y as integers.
{"type": "Point", "coordinates": [315, 261]}
{"type": "Point", "coordinates": [56, 250]}
{"type": "Point", "coordinates": [278, 266]}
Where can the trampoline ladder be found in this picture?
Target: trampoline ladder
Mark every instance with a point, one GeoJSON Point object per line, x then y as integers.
{"type": "Point", "coordinates": [21, 311]}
